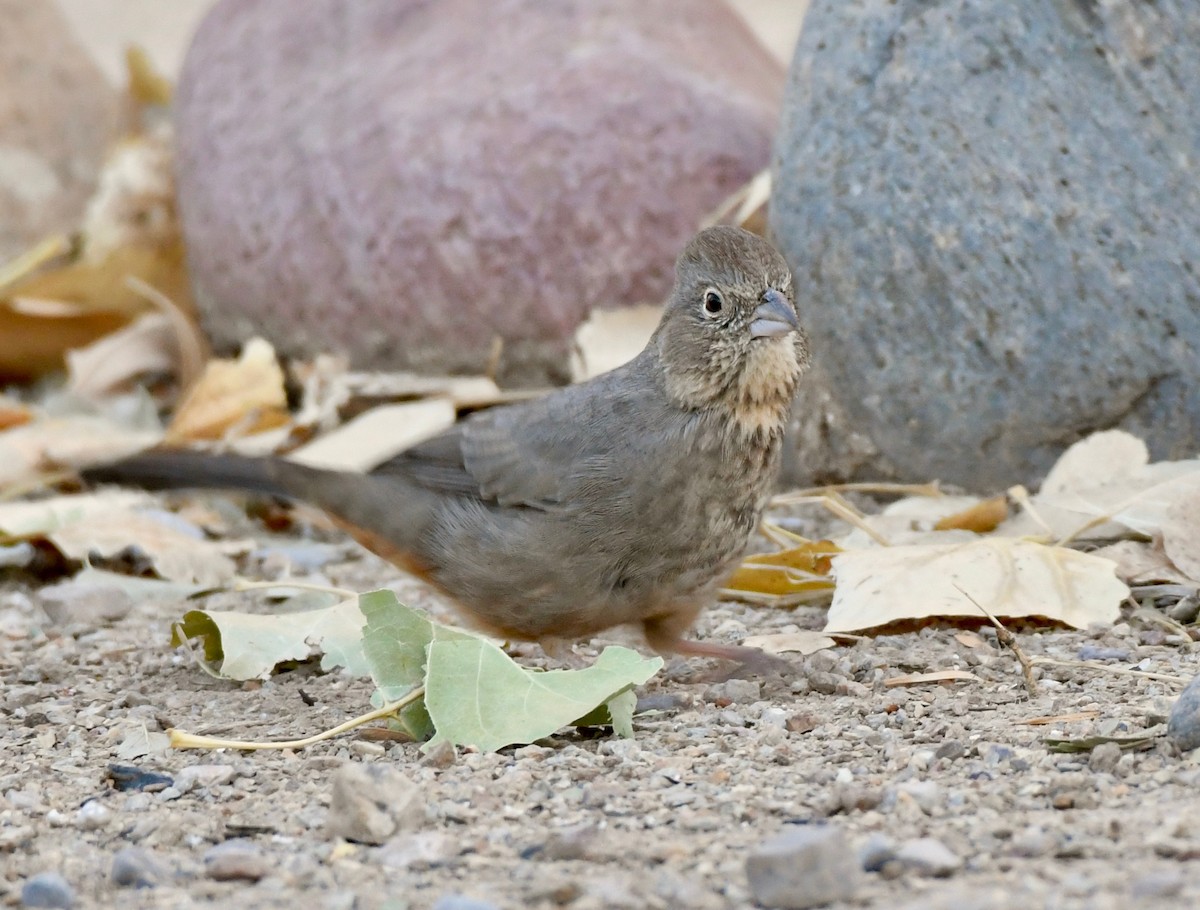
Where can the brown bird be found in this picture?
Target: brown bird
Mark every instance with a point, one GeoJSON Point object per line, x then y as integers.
{"type": "Point", "coordinates": [624, 499]}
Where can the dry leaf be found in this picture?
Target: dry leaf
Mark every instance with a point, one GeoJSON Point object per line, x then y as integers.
{"type": "Point", "coordinates": [13, 413]}
{"type": "Point", "coordinates": [245, 395]}
{"type": "Point", "coordinates": [1009, 578]}
{"type": "Point", "coordinates": [1109, 456]}
{"type": "Point", "coordinates": [969, 639]}
{"type": "Point", "coordinates": [981, 518]}
{"type": "Point", "coordinates": [147, 345]}
{"type": "Point", "coordinates": [610, 338]}
{"type": "Point", "coordinates": [801, 642]}
{"type": "Point", "coordinates": [66, 442]}
{"type": "Point", "coordinates": [1141, 562]}
{"type": "Point", "coordinates": [938, 676]}
{"type": "Point", "coordinates": [797, 570]}
{"type": "Point", "coordinates": [747, 206]}
{"type": "Point", "coordinates": [105, 523]}
{"type": "Point", "coordinates": [1180, 530]}
{"type": "Point", "coordinates": [379, 434]}
{"type": "Point", "coordinates": [1048, 719]}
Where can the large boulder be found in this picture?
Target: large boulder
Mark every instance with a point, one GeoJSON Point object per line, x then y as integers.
{"type": "Point", "coordinates": [410, 181]}
{"type": "Point", "coordinates": [58, 118]}
{"type": "Point", "coordinates": [991, 209]}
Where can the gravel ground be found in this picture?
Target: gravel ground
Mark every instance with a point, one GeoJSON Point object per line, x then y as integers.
{"type": "Point", "coordinates": [944, 792]}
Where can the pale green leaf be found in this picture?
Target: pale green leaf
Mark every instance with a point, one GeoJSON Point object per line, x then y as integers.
{"type": "Point", "coordinates": [250, 645]}
{"type": "Point", "coordinates": [477, 695]}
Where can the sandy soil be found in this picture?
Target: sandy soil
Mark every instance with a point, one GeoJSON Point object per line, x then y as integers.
{"type": "Point", "coordinates": [667, 820]}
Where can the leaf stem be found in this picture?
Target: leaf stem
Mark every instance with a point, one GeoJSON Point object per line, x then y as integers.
{"type": "Point", "coordinates": [181, 739]}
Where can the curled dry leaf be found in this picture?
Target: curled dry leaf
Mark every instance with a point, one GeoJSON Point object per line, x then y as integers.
{"type": "Point", "coordinates": [1180, 530]}
{"type": "Point", "coordinates": [981, 518]}
{"type": "Point", "coordinates": [799, 570]}
{"type": "Point", "coordinates": [610, 338]}
{"type": "Point", "coordinates": [1141, 562]}
{"type": "Point", "coordinates": [240, 396]}
{"type": "Point", "coordinates": [377, 435]}
{"type": "Point", "coordinates": [48, 444]}
{"type": "Point", "coordinates": [937, 676]}
{"type": "Point", "coordinates": [1009, 578]}
{"type": "Point", "coordinates": [804, 641]}
{"type": "Point", "coordinates": [145, 346]}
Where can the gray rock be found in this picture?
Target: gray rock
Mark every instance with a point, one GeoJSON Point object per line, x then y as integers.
{"type": "Point", "coordinates": [803, 867]}
{"type": "Point", "coordinates": [929, 856]}
{"type": "Point", "coordinates": [47, 889]}
{"type": "Point", "coordinates": [372, 802]}
{"type": "Point", "coordinates": [58, 115]}
{"type": "Point", "coordinates": [499, 168]}
{"type": "Point", "coordinates": [235, 860]}
{"type": "Point", "coordinates": [136, 867]}
{"type": "Point", "coordinates": [1183, 727]}
{"type": "Point", "coordinates": [1104, 757]}
{"type": "Point", "coordinates": [989, 207]}
{"type": "Point", "coordinates": [877, 851]}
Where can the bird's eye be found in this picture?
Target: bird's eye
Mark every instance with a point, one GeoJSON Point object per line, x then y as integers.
{"type": "Point", "coordinates": [713, 302]}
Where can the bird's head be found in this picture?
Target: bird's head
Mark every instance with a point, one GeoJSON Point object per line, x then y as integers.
{"type": "Point", "coordinates": [730, 338]}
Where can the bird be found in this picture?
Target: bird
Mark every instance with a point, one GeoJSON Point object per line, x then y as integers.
{"type": "Point", "coordinates": [622, 500]}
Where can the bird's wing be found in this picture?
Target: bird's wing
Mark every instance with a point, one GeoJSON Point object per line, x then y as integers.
{"type": "Point", "coordinates": [530, 454]}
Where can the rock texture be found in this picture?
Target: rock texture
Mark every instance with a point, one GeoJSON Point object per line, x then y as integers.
{"type": "Point", "coordinates": [58, 118]}
{"type": "Point", "coordinates": [408, 181]}
{"type": "Point", "coordinates": [990, 207]}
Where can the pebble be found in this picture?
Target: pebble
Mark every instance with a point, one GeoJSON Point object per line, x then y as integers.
{"type": "Point", "coordinates": [135, 867]}
{"type": "Point", "coordinates": [925, 793]}
{"type": "Point", "coordinates": [929, 856]}
{"type": "Point", "coordinates": [47, 889]}
{"type": "Point", "coordinates": [462, 902]}
{"type": "Point", "coordinates": [1098, 652]}
{"type": "Point", "coordinates": [1160, 884]}
{"type": "Point", "coordinates": [575, 842]}
{"type": "Point", "coordinates": [1183, 727]}
{"type": "Point", "coordinates": [875, 852]}
{"type": "Point", "coordinates": [235, 860]}
{"type": "Point", "coordinates": [203, 776]}
{"type": "Point", "coordinates": [734, 692]}
{"type": "Point", "coordinates": [803, 867]}
{"type": "Point", "coordinates": [1104, 758]}
{"type": "Point", "coordinates": [1034, 841]}
{"type": "Point", "coordinates": [373, 802]}
{"type": "Point", "coordinates": [93, 815]}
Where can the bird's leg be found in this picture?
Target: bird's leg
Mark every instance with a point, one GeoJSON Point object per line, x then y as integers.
{"type": "Point", "coordinates": [664, 633]}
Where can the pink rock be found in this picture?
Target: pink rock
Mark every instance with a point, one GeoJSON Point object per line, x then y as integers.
{"type": "Point", "coordinates": [58, 117]}
{"type": "Point", "coordinates": [407, 181]}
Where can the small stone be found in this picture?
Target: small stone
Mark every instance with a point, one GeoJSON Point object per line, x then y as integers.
{"type": "Point", "coordinates": [1104, 758]}
{"type": "Point", "coordinates": [734, 692]}
{"type": "Point", "coordinates": [825, 683]}
{"type": "Point", "coordinates": [440, 756]}
{"type": "Point", "coordinates": [803, 722]}
{"type": "Point", "coordinates": [462, 902]}
{"type": "Point", "coordinates": [1160, 884]}
{"type": "Point", "coordinates": [366, 749]}
{"type": "Point", "coordinates": [136, 867]}
{"type": "Point", "coordinates": [925, 793]}
{"type": "Point", "coordinates": [875, 852]}
{"type": "Point", "coordinates": [93, 815]}
{"type": "Point", "coordinates": [235, 860]}
{"type": "Point", "coordinates": [1183, 728]}
{"type": "Point", "coordinates": [373, 802]}
{"type": "Point", "coordinates": [203, 776]}
{"type": "Point", "coordinates": [950, 750]}
{"type": "Point", "coordinates": [803, 867]}
{"type": "Point", "coordinates": [1097, 652]}
{"type": "Point", "coordinates": [1034, 841]}
{"type": "Point", "coordinates": [575, 842]}
{"type": "Point", "coordinates": [419, 850]}
{"type": "Point", "coordinates": [47, 889]}
{"type": "Point", "coordinates": [929, 856]}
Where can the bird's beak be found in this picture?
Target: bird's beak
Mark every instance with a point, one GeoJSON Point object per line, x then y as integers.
{"type": "Point", "coordinates": [773, 317]}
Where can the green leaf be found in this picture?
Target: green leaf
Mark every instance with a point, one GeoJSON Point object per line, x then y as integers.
{"type": "Point", "coordinates": [250, 645]}
{"type": "Point", "coordinates": [396, 639]}
{"type": "Point", "coordinates": [477, 695]}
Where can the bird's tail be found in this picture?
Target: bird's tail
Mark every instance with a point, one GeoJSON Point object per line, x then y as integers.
{"type": "Point", "coordinates": [177, 469]}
